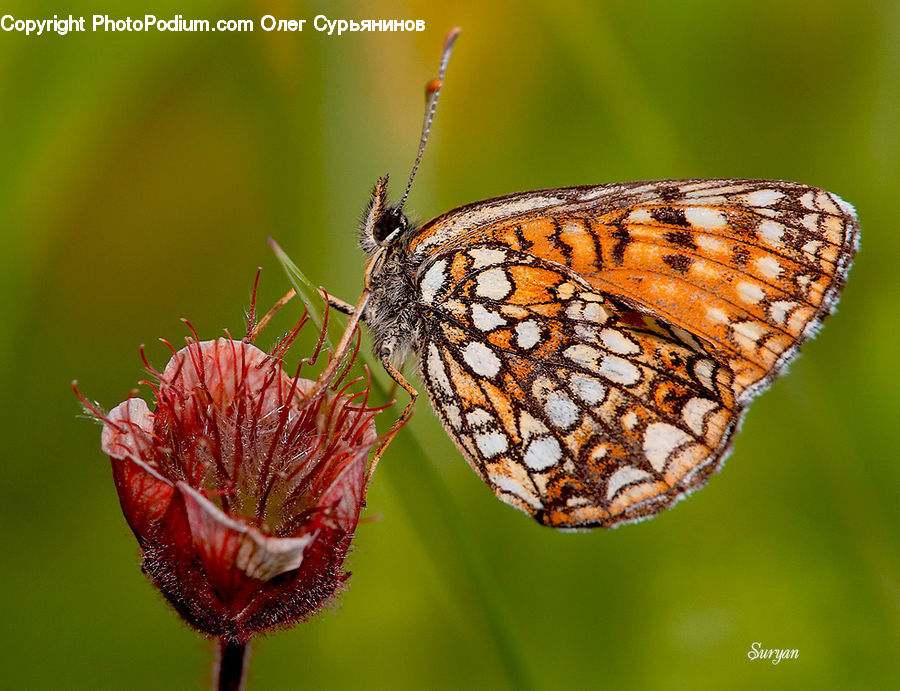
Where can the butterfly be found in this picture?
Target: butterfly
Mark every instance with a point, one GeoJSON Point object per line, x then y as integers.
{"type": "Point", "coordinates": [592, 350]}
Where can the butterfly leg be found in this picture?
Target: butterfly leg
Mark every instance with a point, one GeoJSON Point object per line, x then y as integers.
{"type": "Point", "coordinates": [398, 378]}
{"type": "Point", "coordinates": [348, 309]}
{"type": "Point", "coordinates": [338, 304]}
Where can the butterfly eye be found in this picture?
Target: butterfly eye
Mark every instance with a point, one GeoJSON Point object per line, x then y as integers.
{"type": "Point", "coordinates": [386, 225]}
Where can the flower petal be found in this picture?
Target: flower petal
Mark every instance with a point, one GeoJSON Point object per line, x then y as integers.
{"type": "Point", "coordinates": [221, 366]}
{"type": "Point", "coordinates": [144, 494]}
{"type": "Point", "coordinates": [132, 420]}
{"type": "Point", "coordinates": [226, 545]}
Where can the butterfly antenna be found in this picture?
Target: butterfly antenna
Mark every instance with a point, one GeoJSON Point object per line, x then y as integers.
{"type": "Point", "coordinates": [432, 92]}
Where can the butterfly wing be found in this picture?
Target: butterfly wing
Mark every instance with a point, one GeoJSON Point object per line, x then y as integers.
{"type": "Point", "coordinates": [571, 407]}
{"type": "Point", "coordinates": [749, 266]}
{"type": "Point", "coordinates": [591, 350]}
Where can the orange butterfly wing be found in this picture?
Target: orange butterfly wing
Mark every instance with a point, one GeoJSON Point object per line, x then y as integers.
{"type": "Point", "coordinates": [677, 299]}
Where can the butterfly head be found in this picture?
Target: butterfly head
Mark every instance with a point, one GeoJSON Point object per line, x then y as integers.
{"type": "Point", "coordinates": [389, 226]}
{"type": "Point", "coordinates": [382, 223]}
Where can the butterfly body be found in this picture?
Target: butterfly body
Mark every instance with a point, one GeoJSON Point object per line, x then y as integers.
{"type": "Point", "coordinates": [591, 350]}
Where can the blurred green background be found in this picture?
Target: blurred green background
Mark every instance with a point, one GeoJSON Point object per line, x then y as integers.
{"type": "Point", "coordinates": [141, 175]}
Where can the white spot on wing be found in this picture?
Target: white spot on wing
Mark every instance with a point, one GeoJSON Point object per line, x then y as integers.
{"type": "Point", "coordinates": [530, 426]}
{"type": "Point", "coordinates": [812, 247]}
{"type": "Point", "coordinates": [453, 416]}
{"type": "Point", "coordinates": [484, 319]}
{"type": "Point", "coordinates": [762, 197]}
{"type": "Point", "coordinates": [493, 284]}
{"type": "Point", "coordinates": [710, 244]}
{"type": "Point", "coordinates": [768, 266]}
{"type": "Point", "coordinates": [750, 293]}
{"type": "Point", "coordinates": [712, 187]}
{"type": "Point", "coordinates": [703, 197]}
{"type": "Point", "coordinates": [624, 476]}
{"type": "Point", "coordinates": [617, 342]}
{"type": "Point", "coordinates": [588, 389]}
{"type": "Point", "coordinates": [478, 417]}
{"type": "Point", "coordinates": [705, 217]}
{"type": "Point", "coordinates": [808, 200]}
{"type": "Point", "coordinates": [491, 444]}
{"type": "Point", "coordinates": [748, 333]}
{"type": "Point", "coordinates": [599, 451]}
{"type": "Point", "coordinates": [694, 412]}
{"type": "Point", "coordinates": [561, 411]}
{"type": "Point", "coordinates": [481, 359]}
{"type": "Point", "coordinates": [436, 370]}
{"type": "Point", "coordinates": [542, 453]}
{"type": "Point", "coordinates": [716, 314]}
{"type": "Point", "coordinates": [834, 229]}
{"type": "Point", "coordinates": [660, 440]}
{"type": "Point", "coordinates": [594, 312]}
{"type": "Point", "coordinates": [608, 190]}
{"type": "Point", "coordinates": [779, 310]}
{"type": "Point", "coordinates": [514, 487]}
{"type": "Point", "coordinates": [771, 232]}
{"type": "Point", "coordinates": [528, 333]}
{"type": "Point", "coordinates": [586, 333]}
{"type": "Point", "coordinates": [639, 216]}
{"type": "Point", "coordinates": [619, 370]}
{"type": "Point", "coordinates": [686, 337]}
{"type": "Point", "coordinates": [433, 280]}
{"type": "Point", "coordinates": [824, 202]}
{"type": "Point", "coordinates": [573, 310]}
{"type": "Point", "coordinates": [582, 355]}
{"type": "Point", "coordinates": [484, 256]}
{"type": "Point", "coordinates": [703, 370]}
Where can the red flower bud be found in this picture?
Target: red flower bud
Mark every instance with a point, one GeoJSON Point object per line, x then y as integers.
{"type": "Point", "coordinates": [243, 485]}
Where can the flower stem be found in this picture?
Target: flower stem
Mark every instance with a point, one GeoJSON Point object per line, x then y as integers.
{"type": "Point", "coordinates": [231, 665]}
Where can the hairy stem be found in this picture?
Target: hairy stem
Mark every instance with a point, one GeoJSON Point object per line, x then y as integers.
{"type": "Point", "coordinates": [231, 665]}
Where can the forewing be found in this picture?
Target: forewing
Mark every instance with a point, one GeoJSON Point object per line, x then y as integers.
{"type": "Point", "coordinates": [570, 405]}
{"type": "Point", "coordinates": [750, 267]}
